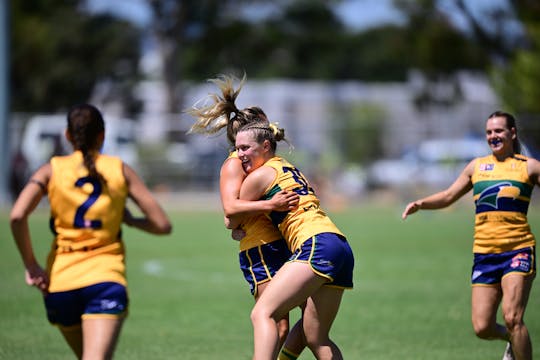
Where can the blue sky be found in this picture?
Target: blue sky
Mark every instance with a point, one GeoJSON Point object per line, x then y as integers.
{"type": "Point", "coordinates": [357, 14]}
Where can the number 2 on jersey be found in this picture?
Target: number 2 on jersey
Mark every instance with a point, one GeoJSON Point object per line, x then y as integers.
{"type": "Point", "coordinates": [79, 221]}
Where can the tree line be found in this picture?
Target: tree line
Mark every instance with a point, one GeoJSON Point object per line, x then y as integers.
{"type": "Point", "coordinates": [60, 51]}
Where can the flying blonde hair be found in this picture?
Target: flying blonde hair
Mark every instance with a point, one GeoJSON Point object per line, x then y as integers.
{"type": "Point", "coordinates": [219, 110]}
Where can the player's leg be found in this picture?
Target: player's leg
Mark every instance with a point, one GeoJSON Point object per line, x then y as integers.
{"type": "Point", "coordinates": [291, 286]}
{"type": "Point", "coordinates": [283, 323]}
{"type": "Point", "coordinates": [485, 302]}
{"type": "Point", "coordinates": [64, 310]}
{"type": "Point", "coordinates": [73, 336]}
{"type": "Point", "coordinates": [516, 289]}
{"type": "Point", "coordinates": [100, 336]}
{"type": "Point", "coordinates": [295, 342]}
{"type": "Point", "coordinates": [105, 309]}
{"type": "Point", "coordinates": [319, 314]}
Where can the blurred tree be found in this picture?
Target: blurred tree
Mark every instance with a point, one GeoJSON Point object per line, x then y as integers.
{"type": "Point", "coordinates": [189, 33]}
{"type": "Point", "coordinates": [517, 77]}
{"type": "Point", "coordinates": [359, 133]}
{"type": "Point", "coordinates": [59, 53]}
{"type": "Point", "coordinates": [299, 40]}
{"type": "Point", "coordinates": [438, 49]}
{"type": "Point", "coordinates": [501, 39]}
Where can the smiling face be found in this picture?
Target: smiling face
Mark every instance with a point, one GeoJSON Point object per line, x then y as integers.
{"type": "Point", "coordinates": [252, 154]}
{"type": "Point", "coordinates": [499, 137]}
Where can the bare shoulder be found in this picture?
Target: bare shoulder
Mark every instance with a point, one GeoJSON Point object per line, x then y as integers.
{"type": "Point", "coordinates": [232, 165]}
{"type": "Point", "coordinates": [260, 178]}
{"type": "Point", "coordinates": [264, 172]}
{"type": "Point", "coordinates": [533, 168]}
{"type": "Point", "coordinates": [469, 168]}
{"type": "Point", "coordinates": [43, 174]}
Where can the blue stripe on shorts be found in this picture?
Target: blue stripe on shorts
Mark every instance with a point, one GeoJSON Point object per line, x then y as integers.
{"type": "Point", "coordinates": [330, 256]}
{"type": "Point", "coordinates": [259, 264]}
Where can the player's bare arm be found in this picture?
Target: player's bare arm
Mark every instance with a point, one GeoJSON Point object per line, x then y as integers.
{"type": "Point", "coordinates": [444, 198]}
{"type": "Point", "coordinates": [27, 201]}
{"type": "Point", "coordinates": [533, 168]}
{"type": "Point", "coordinates": [155, 220]}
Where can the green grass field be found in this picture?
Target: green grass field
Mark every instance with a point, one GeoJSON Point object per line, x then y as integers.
{"type": "Point", "coordinates": [189, 300]}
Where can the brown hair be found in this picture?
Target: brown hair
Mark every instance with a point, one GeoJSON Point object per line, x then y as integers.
{"type": "Point", "coordinates": [84, 125]}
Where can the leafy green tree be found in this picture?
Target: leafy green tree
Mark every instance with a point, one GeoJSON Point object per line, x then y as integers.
{"type": "Point", "coordinates": [498, 39]}
{"type": "Point", "coordinates": [59, 53]}
{"type": "Point", "coordinates": [438, 49]}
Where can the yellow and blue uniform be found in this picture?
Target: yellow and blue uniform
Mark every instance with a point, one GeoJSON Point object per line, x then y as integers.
{"type": "Point", "coordinates": [86, 218]}
{"type": "Point", "coordinates": [502, 192]}
{"type": "Point", "coordinates": [309, 232]}
{"type": "Point", "coordinates": [262, 250]}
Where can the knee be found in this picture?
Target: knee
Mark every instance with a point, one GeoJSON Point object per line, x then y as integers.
{"type": "Point", "coordinates": [482, 329]}
{"type": "Point", "coordinates": [258, 314]}
{"type": "Point", "coordinates": [512, 320]}
{"type": "Point", "coordinates": [255, 315]}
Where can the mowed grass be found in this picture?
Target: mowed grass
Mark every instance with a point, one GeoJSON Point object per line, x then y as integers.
{"type": "Point", "coordinates": [188, 299]}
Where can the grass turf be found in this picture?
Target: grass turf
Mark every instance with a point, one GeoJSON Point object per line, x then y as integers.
{"type": "Point", "coordinates": [188, 299]}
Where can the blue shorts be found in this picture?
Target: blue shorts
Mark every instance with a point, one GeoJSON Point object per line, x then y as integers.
{"type": "Point", "coordinates": [260, 264]}
{"type": "Point", "coordinates": [330, 256]}
{"type": "Point", "coordinates": [67, 308]}
{"type": "Point", "coordinates": [489, 269]}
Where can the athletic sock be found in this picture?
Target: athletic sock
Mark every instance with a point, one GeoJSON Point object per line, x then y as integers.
{"type": "Point", "coordinates": [286, 354]}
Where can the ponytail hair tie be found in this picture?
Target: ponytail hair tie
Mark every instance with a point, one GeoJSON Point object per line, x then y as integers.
{"type": "Point", "coordinates": [274, 128]}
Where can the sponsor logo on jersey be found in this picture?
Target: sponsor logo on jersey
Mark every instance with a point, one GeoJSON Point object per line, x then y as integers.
{"type": "Point", "coordinates": [486, 167]}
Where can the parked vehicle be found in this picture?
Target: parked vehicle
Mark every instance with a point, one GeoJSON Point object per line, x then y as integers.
{"type": "Point", "coordinates": [44, 137]}
{"type": "Point", "coordinates": [436, 163]}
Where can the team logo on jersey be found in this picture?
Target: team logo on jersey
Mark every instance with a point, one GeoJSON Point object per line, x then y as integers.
{"type": "Point", "coordinates": [492, 194]}
{"type": "Point", "coordinates": [486, 167]}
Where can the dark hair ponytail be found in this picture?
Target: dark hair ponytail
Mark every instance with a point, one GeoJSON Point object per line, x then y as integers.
{"type": "Point", "coordinates": [84, 125]}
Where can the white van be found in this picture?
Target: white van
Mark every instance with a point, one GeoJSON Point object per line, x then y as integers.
{"type": "Point", "coordinates": [44, 137]}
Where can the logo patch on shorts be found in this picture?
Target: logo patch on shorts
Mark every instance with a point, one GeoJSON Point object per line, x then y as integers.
{"type": "Point", "coordinates": [521, 261]}
{"type": "Point", "coordinates": [326, 263]}
{"type": "Point", "coordinates": [110, 305]}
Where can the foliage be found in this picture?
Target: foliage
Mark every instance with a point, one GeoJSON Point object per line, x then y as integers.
{"type": "Point", "coordinates": [59, 53]}
{"type": "Point", "coordinates": [305, 40]}
{"type": "Point", "coordinates": [70, 50]}
{"type": "Point", "coordinates": [517, 79]}
{"type": "Point", "coordinates": [359, 133]}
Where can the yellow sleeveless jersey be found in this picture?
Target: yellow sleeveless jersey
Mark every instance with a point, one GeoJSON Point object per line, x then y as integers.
{"type": "Point", "coordinates": [502, 193]}
{"type": "Point", "coordinates": [308, 219]}
{"type": "Point", "coordinates": [259, 229]}
{"type": "Point", "coordinates": [86, 218]}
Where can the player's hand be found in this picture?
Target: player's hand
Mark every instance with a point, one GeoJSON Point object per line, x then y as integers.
{"type": "Point", "coordinates": [36, 276]}
{"type": "Point", "coordinates": [238, 234]}
{"type": "Point", "coordinates": [285, 200]}
{"type": "Point", "coordinates": [411, 208]}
